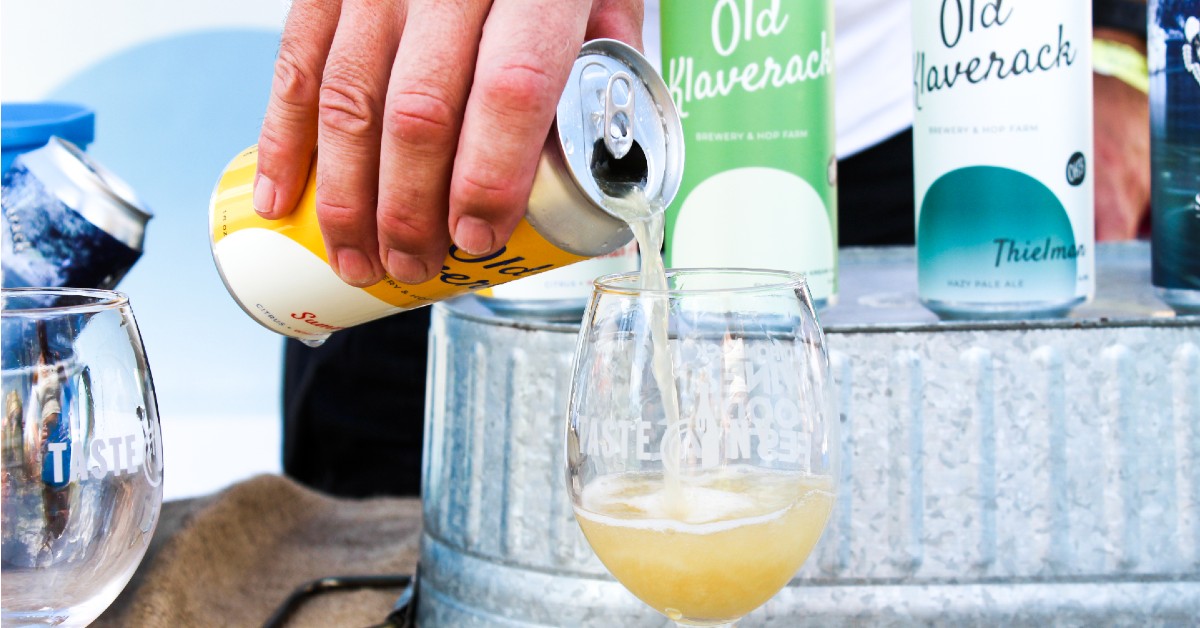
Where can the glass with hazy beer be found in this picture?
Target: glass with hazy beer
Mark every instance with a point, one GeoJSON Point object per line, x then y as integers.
{"type": "Point", "coordinates": [701, 444]}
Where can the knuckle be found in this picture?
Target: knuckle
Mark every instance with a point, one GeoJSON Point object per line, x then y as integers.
{"type": "Point", "coordinates": [272, 143]}
{"type": "Point", "coordinates": [407, 231]}
{"type": "Point", "coordinates": [413, 233]}
{"type": "Point", "coordinates": [519, 87]}
{"type": "Point", "coordinates": [345, 107]}
{"type": "Point", "coordinates": [484, 195]}
{"type": "Point", "coordinates": [294, 83]}
{"type": "Point", "coordinates": [337, 219]}
{"type": "Point", "coordinates": [422, 115]}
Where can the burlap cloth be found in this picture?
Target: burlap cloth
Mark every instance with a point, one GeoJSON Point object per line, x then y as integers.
{"type": "Point", "coordinates": [232, 558]}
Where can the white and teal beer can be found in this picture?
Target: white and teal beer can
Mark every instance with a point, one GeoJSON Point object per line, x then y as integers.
{"type": "Point", "coordinates": [1002, 148]}
{"type": "Point", "coordinates": [753, 82]}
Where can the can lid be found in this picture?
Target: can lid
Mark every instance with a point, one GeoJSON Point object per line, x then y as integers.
{"type": "Point", "coordinates": [605, 70]}
{"type": "Point", "coordinates": [32, 124]}
{"type": "Point", "coordinates": [91, 190]}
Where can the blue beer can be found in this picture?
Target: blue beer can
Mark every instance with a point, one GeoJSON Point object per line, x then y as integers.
{"type": "Point", "coordinates": [1173, 55]}
{"type": "Point", "coordinates": [26, 126]}
{"type": "Point", "coordinates": [67, 222]}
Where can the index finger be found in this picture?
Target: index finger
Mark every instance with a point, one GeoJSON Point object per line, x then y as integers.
{"type": "Point", "coordinates": [289, 129]}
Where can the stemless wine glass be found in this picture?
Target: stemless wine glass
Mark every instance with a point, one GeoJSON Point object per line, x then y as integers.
{"type": "Point", "coordinates": [82, 454]}
{"type": "Point", "coordinates": [701, 437]}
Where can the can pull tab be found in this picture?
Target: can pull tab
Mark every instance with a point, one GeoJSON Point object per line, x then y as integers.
{"type": "Point", "coordinates": [618, 118]}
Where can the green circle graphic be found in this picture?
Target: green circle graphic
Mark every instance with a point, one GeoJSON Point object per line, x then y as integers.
{"type": "Point", "coordinates": [994, 234]}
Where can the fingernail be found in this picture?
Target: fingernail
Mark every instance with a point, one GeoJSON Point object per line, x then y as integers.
{"type": "Point", "coordinates": [405, 268]}
{"type": "Point", "coordinates": [264, 195]}
{"type": "Point", "coordinates": [474, 235]}
{"type": "Point", "coordinates": [354, 268]}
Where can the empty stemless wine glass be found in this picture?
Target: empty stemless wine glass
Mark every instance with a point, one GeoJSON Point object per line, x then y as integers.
{"type": "Point", "coordinates": [82, 454]}
{"type": "Point", "coordinates": [701, 437]}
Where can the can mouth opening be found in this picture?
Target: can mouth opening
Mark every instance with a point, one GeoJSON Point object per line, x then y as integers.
{"type": "Point", "coordinates": [598, 104]}
{"type": "Point", "coordinates": [614, 176]}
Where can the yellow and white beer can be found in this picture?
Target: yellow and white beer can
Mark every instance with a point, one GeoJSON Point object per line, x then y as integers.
{"type": "Point", "coordinates": [562, 293]}
{"type": "Point", "coordinates": [278, 270]}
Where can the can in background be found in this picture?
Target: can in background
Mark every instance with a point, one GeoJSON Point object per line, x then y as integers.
{"type": "Point", "coordinates": [562, 293]}
{"type": "Point", "coordinates": [278, 270]}
{"type": "Point", "coordinates": [25, 126]}
{"type": "Point", "coordinates": [1173, 54]}
{"type": "Point", "coordinates": [1002, 149]}
{"type": "Point", "coordinates": [754, 85]}
{"type": "Point", "coordinates": [67, 222]}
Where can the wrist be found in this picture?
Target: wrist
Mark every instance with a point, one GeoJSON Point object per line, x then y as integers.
{"type": "Point", "coordinates": [1120, 59]}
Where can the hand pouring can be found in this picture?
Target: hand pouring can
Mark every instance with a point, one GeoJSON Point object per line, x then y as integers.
{"type": "Point", "coordinates": [278, 270]}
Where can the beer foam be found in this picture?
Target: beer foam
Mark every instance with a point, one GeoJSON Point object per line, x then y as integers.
{"type": "Point", "coordinates": [615, 501]}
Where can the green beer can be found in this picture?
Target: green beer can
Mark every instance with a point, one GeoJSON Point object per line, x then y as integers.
{"type": "Point", "coordinates": [753, 81]}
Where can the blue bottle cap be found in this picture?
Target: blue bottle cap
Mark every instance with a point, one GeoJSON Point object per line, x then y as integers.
{"type": "Point", "coordinates": [26, 126]}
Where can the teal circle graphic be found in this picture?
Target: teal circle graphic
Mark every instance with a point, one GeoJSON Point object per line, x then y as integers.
{"type": "Point", "coordinates": [993, 234]}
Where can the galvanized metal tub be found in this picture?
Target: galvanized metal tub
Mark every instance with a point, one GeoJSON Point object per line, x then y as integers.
{"type": "Point", "coordinates": [994, 473]}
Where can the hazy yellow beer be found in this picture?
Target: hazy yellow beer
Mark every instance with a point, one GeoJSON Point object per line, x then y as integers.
{"type": "Point", "coordinates": [733, 541]}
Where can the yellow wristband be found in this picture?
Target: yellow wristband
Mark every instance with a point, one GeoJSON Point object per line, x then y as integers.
{"type": "Point", "coordinates": [1121, 61]}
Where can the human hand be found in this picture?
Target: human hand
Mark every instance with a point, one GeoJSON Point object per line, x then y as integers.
{"type": "Point", "coordinates": [428, 116]}
{"type": "Point", "coordinates": [1122, 149]}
